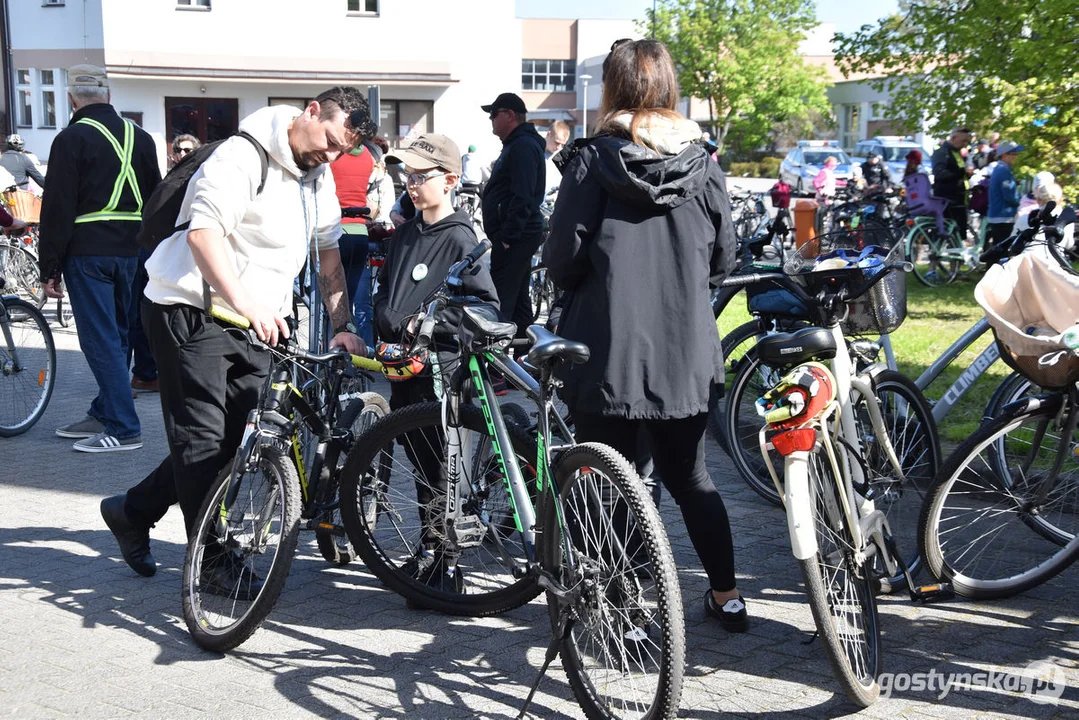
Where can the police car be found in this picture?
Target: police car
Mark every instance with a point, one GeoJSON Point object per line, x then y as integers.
{"type": "Point", "coordinates": [892, 150]}
{"type": "Point", "coordinates": [804, 162]}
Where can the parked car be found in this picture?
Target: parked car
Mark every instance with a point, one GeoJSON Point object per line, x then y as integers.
{"type": "Point", "coordinates": [804, 162]}
{"type": "Point", "coordinates": [893, 153]}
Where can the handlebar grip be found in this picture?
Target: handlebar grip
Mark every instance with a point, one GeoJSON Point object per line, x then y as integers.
{"type": "Point", "coordinates": [356, 211]}
{"type": "Point", "coordinates": [477, 252]}
{"type": "Point", "coordinates": [230, 317]}
{"type": "Point", "coordinates": [365, 363]}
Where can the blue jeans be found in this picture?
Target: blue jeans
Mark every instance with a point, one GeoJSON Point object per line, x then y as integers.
{"type": "Point", "coordinates": [102, 302]}
{"type": "Point", "coordinates": [144, 367]}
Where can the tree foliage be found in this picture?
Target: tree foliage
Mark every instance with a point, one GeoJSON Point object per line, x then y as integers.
{"type": "Point", "coordinates": [741, 56]}
{"type": "Point", "coordinates": [1010, 66]}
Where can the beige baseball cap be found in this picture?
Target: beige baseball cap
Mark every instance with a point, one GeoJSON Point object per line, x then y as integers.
{"type": "Point", "coordinates": [87, 76]}
{"type": "Point", "coordinates": [428, 151]}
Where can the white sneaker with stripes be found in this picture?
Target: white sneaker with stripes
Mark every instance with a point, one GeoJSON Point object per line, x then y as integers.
{"type": "Point", "coordinates": [103, 442]}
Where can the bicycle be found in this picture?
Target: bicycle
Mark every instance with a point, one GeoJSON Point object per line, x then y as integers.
{"type": "Point", "coordinates": [27, 364]}
{"type": "Point", "coordinates": [429, 509]}
{"type": "Point", "coordinates": [836, 467]}
{"type": "Point", "coordinates": [1003, 514]}
{"type": "Point", "coordinates": [245, 535]}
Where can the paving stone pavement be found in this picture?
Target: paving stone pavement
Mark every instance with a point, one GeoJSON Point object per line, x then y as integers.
{"type": "Point", "coordinates": [82, 635]}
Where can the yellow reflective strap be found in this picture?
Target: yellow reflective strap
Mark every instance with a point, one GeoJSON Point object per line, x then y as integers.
{"type": "Point", "coordinates": [126, 175]}
{"type": "Point", "coordinates": [114, 215]}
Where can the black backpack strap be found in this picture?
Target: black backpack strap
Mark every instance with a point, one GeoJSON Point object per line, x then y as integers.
{"type": "Point", "coordinates": [264, 158]}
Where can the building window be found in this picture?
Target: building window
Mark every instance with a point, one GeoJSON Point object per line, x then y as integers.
{"type": "Point", "coordinates": [192, 4]}
{"type": "Point", "coordinates": [208, 119]}
{"type": "Point", "coordinates": [549, 75]}
{"type": "Point", "coordinates": [363, 7]}
{"type": "Point", "coordinates": [24, 100]}
{"type": "Point", "coordinates": [46, 80]}
{"type": "Point", "coordinates": [52, 3]}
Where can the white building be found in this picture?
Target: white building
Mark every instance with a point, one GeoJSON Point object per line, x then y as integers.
{"type": "Point", "coordinates": [199, 66]}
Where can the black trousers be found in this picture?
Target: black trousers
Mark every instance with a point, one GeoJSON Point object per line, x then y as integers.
{"type": "Point", "coordinates": [957, 211]}
{"type": "Point", "coordinates": [210, 380]}
{"type": "Point", "coordinates": [998, 232]}
{"type": "Point", "coordinates": [678, 454]}
{"type": "Point", "coordinates": [510, 268]}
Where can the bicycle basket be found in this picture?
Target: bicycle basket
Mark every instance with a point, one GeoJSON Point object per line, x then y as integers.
{"type": "Point", "coordinates": [24, 206]}
{"type": "Point", "coordinates": [876, 304]}
{"type": "Point", "coordinates": [1030, 302]}
{"type": "Point", "coordinates": [805, 256]}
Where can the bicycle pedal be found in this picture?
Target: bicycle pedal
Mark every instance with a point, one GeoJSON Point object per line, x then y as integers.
{"type": "Point", "coordinates": [335, 530]}
{"type": "Point", "coordinates": [469, 531]}
{"type": "Point", "coordinates": [933, 593]}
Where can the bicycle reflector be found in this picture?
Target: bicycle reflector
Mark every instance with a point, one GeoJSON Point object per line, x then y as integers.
{"type": "Point", "coordinates": [396, 365]}
{"type": "Point", "coordinates": [800, 397]}
{"type": "Point", "coordinates": [787, 442]}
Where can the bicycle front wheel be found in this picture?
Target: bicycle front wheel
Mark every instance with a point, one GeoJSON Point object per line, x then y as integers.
{"type": "Point", "coordinates": [27, 367]}
{"type": "Point", "coordinates": [742, 425]}
{"type": "Point", "coordinates": [624, 654]}
{"type": "Point", "coordinates": [840, 591]}
{"type": "Point", "coordinates": [394, 508]}
{"type": "Point", "coordinates": [24, 275]}
{"type": "Point", "coordinates": [241, 551]}
{"type": "Point", "coordinates": [998, 521]}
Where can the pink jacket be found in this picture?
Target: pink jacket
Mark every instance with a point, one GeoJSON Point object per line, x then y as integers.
{"type": "Point", "coordinates": [825, 183]}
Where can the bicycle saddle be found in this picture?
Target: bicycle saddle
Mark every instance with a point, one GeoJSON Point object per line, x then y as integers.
{"type": "Point", "coordinates": [787, 349]}
{"type": "Point", "coordinates": [482, 328]}
{"type": "Point", "coordinates": [546, 347]}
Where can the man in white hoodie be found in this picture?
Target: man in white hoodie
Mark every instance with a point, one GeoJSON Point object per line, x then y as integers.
{"type": "Point", "coordinates": [242, 250]}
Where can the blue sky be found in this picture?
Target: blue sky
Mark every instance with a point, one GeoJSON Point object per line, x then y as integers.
{"type": "Point", "coordinates": [846, 15]}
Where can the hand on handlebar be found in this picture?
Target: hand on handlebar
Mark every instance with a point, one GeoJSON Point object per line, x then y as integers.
{"type": "Point", "coordinates": [16, 228]}
{"type": "Point", "coordinates": [270, 328]}
{"type": "Point", "coordinates": [354, 344]}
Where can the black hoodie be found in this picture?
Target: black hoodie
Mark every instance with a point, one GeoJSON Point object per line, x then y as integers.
{"type": "Point", "coordinates": [437, 246]}
{"type": "Point", "coordinates": [513, 195]}
{"type": "Point", "coordinates": [636, 239]}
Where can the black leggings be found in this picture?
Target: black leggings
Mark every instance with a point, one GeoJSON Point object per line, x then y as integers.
{"type": "Point", "coordinates": [678, 453]}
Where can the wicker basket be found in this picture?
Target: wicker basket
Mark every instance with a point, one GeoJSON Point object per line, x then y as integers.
{"type": "Point", "coordinates": [23, 205]}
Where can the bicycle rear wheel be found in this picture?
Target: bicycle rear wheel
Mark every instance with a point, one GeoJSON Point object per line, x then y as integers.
{"type": "Point", "coordinates": [742, 426]}
{"type": "Point", "coordinates": [27, 367]}
{"type": "Point", "coordinates": [358, 416]}
{"type": "Point", "coordinates": [401, 537]}
{"type": "Point", "coordinates": [24, 275]}
{"type": "Point", "coordinates": [935, 258]}
{"type": "Point", "coordinates": [625, 653]}
{"type": "Point", "coordinates": [983, 527]}
{"type": "Point", "coordinates": [840, 592]}
{"type": "Point", "coordinates": [241, 552]}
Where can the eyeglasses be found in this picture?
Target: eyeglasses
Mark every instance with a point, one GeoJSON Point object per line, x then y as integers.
{"type": "Point", "coordinates": [184, 150]}
{"type": "Point", "coordinates": [421, 178]}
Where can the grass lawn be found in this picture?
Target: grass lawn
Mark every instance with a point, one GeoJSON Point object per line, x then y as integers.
{"type": "Point", "coordinates": [936, 317]}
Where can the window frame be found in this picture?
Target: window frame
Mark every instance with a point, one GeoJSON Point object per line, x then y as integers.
{"type": "Point", "coordinates": [364, 13]}
{"type": "Point", "coordinates": [194, 5]}
{"type": "Point", "coordinates": [43, 89]}
{"type": "Point", "coordinates": [24, 88]}
{"type": "Point", "coordinates": [567, 69]}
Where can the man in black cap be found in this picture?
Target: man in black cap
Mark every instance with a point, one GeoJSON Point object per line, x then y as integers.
{"type": "Point", "coordinates": [511, 205]}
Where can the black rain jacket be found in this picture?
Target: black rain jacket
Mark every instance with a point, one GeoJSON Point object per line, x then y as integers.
{"type": "Point", "coordinates": [949, 177]}
{"type": "Point", "coordinates": [637, 240]}
{"type": "Point", "coordinates": [514, 193]}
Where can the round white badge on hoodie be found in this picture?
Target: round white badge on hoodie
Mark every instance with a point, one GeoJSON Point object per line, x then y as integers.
{"type": "Point", "coordinates": [419, 272]}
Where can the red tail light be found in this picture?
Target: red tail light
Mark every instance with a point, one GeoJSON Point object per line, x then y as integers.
{"type": "Point", "coordinates": [791, 441]}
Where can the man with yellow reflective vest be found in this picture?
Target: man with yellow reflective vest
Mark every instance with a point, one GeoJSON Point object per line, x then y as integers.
{"type": "Point", "coordinates": [101, 170]}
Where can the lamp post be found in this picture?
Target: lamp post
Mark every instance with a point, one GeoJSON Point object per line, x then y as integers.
{"type": "Point", "coordinates": [584, 124]}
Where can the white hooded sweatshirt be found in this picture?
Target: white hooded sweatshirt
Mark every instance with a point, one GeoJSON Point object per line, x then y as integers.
{"type": "Point", "coordinates": [268, 235]}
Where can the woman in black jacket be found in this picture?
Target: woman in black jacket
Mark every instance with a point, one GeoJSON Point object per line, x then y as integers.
{"type": "Point", "coordinates": [641, 230]}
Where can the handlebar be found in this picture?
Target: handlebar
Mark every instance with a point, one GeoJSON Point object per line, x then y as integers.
{"type": "Point", "coordinates": [356, 212]}
{"type": "Point", "coordinates": [1015, 244]}
{"type": "Point", "coordinates": [359, 361]}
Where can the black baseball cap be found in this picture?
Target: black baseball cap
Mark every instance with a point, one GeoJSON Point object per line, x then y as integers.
{"type": "Point", "coordinates": [506, 101]}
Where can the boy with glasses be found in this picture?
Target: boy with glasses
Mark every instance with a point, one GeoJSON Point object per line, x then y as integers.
{"type": "Point", "coordinates": [421, 254]}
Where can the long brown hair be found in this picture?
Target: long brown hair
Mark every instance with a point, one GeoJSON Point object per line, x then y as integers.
{"type": "Point", "coordinates": [640, 80]}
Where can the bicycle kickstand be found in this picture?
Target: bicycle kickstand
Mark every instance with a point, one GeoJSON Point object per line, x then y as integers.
{"type": "Point", "coordinates": [557, 638]}
{"type": "Point", "coordinates": [924, 593]}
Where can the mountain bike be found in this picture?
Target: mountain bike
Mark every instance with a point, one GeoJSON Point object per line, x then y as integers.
{"type": "Point", "coordinates": [245, 536]}
{"type": "Point", "coordinates": [841, 458]}
{"type": "Point", "coordinates": [27, 364]}
{"type": "Point", "coordinates": [461, 512]}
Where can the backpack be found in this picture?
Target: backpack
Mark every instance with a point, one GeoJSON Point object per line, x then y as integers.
{"type": "Point", "coordinates": [161, 210]}
{"type": "Point", "coordinates": [979, 198]}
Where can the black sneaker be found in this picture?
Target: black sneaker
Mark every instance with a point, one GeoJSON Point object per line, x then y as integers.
{"type": "Point", "coordinates": [732, 616]}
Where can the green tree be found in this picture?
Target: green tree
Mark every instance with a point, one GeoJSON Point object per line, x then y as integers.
{"type": "Point", "coordinates": [741, 56]}
{"type": "Point", "coordinates": [1008, 66]}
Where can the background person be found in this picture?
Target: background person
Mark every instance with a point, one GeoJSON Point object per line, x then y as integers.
{"type": "Point", "coordinates": [101, 168]}
{"type": "Point", "coordinates": [19, 163]}
{"type": "Point", "coordinates": [352, 178]}
{"type": "Point", "coordinates": [182, 146]}
{"type": "Point", "coordinates": [511, 206]}
{"type": "Point", "coordinates": [1003, 194]}
{"type": "Point", "coordinates": [914, 163]}
{"type": "Point", "coordinates": [950, 174]}
{"type": "Point", "coordinates": [824, 183]}
{"type": "Point", "coordinates": [641, 199]}
{"type": "Point", "coordinates": [557, 136]}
